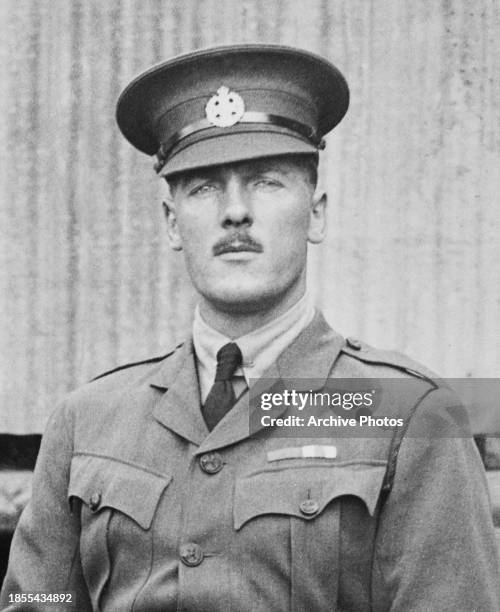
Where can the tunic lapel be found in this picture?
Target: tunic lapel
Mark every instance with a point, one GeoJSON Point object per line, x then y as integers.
{"type": "Point", "coordinates": [179, 407]}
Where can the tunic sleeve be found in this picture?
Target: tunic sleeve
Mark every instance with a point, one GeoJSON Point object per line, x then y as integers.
{"type": "Point", "coordinates": [435, 548]}
{"type": "Point", "coordinates": [45, 548]}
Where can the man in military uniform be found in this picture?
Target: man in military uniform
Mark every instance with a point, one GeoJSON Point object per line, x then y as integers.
{"type": "Point", "coordinates": [151, 491]}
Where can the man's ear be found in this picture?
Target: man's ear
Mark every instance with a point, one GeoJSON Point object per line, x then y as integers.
{"type": "Point", "coordinates": [317, 221]}
{"type": "Point", "coordinates": [174, 237]}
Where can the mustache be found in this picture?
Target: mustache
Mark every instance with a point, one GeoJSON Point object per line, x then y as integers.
{"type": "Point", "coordinates": [236, 241]}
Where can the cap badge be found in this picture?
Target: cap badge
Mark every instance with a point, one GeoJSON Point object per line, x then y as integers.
{"type": "Point", "coordinates": [225, 108]}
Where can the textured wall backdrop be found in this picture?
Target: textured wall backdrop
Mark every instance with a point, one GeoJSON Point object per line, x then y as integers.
{"type": "Point", "coordinates": [413, 258]}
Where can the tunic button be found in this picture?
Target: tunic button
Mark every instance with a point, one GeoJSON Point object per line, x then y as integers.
{"type": "Point", "coordinates": [354, 343]}
{"type": "Point", "coordinates": [95, 501]}
{"type": "Point", "coordinates": [309, 507]}
{"type": "Point", "coordinates": [191, 554]}
{"type": "Point", "coordinates": [211, 463]}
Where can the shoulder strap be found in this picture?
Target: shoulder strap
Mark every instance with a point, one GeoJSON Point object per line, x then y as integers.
{"type": "Point", "coordinates": [364, 352]}
{"type": "Point", "coordinates": [137, 363]}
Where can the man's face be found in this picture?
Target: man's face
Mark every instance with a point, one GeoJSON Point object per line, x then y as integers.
{"type": "Point", "coordinates": [244, 229]}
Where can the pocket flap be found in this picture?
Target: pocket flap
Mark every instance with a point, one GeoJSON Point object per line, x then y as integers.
{"type": "Point", "coordinates": [305, 492]}
{"type": "Point", "coordinates": [102, 482]}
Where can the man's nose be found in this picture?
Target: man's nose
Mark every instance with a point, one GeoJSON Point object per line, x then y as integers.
{"type": "Point", "coordinates": [236, 209]}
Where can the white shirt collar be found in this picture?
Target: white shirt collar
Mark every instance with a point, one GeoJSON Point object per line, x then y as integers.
{"type": "Point", "coordinates": [260, 348]}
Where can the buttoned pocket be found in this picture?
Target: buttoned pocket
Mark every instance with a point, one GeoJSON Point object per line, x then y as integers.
{"type": "Point", "coordinates": [294, 514]}
{"type": "Point", "coordinates": [102, 482]}
{"type": "Point", "coordinates": [117, 503]}
{"type": "Point", "coordinates": [306, 491]}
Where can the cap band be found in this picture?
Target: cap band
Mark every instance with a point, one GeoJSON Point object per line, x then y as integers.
{"type": "Point", "coordinates": [305, 131]}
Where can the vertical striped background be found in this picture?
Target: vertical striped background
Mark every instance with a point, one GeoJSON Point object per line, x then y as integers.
{"type": "Point", "coordinates": [413, 173]}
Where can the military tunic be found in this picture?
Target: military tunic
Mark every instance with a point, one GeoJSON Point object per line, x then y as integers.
{"type": "Point", "coordinates": [136, 506]}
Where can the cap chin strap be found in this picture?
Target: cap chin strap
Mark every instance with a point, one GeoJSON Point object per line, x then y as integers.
{"type": "Point", "coordinates": [305, 131]}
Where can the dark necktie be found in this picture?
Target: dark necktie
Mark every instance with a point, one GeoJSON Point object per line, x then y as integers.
{"type": "Point", "coordinates": [221, 397]}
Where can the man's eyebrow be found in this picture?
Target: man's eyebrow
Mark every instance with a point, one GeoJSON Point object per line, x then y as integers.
{"type": "Point", "coordinates": [199, 175]}
{"type": "Point", "coordinates": [262, 166]}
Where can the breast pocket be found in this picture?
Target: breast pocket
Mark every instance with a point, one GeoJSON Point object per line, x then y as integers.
{"type": "Point", "coordinates": [117, 503]}
{"type": "Point", "coordinates": [294, 514]}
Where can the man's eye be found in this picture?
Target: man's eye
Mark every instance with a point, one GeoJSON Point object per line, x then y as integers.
{"type": "Point", "coordinates": [204, 189]}
{"type": "Point", "coordinates": [267, 183]}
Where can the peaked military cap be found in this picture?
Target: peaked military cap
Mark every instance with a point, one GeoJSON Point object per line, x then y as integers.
{"type": "Point", "coordinates": [232, 103]}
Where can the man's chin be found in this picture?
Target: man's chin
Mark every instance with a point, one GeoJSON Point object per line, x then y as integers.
{"type": "Point", "coordinates": [244, 301]}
